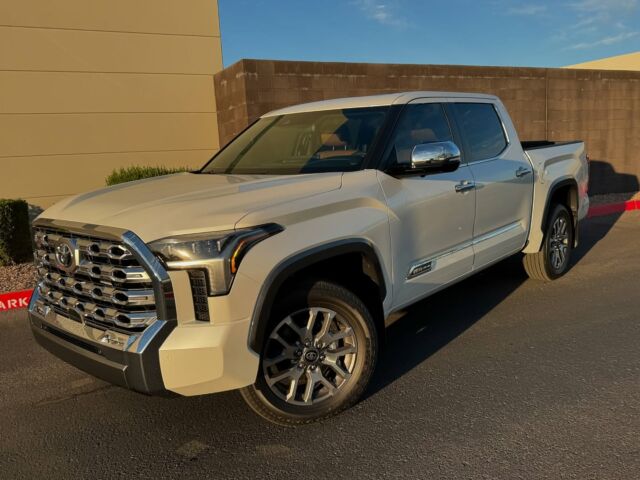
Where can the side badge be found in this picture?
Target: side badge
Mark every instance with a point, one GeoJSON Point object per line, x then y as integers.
{"type": "Point", "coordinates": [421, 268]}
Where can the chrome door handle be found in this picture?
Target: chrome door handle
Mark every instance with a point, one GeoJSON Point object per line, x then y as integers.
{"type": "Point", "coordinates": [522, 171]}
{"type": "Point", "coordinates": [464, 186]}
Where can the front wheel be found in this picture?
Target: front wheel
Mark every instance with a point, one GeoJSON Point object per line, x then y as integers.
{"type": "Point", "coordinates": [552, 261]}
{"type": "Point", "coordinates": [318, 357]}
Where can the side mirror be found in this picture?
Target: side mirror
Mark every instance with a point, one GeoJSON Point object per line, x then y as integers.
{"type": "Point", "coordinates": [435, 157]}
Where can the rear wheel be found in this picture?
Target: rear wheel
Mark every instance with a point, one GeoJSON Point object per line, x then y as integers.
{"type": "Point", "coordinates": [318, 357]}
{"type": "Point", "coordinates": [552, 261]}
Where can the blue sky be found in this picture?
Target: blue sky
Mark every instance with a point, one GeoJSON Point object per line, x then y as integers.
{"type": "Point", "coordinates": [491, 32]}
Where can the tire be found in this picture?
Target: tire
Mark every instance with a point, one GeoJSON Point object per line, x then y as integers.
{"type": "Point", "coordinates": [342, 349]}
{"type": "Point", "coordinates": [553, 260]}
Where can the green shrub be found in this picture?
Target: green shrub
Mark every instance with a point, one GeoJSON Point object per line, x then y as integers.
{"type": "Point", "coordinates": [129, 174]}
{"type": "Point", "coordinates": [15, 234]}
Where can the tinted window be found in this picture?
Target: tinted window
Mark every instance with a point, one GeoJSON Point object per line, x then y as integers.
{"type": "Point", "coordinates": [322, 141]}
{"type": "Point", "coordinates": [419, 123]}
{"type": "Point", "coordinates": [482, 130]}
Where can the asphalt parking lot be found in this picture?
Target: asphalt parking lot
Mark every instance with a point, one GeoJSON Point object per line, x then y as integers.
{"type": "Point", "coordinates": [497, 377]}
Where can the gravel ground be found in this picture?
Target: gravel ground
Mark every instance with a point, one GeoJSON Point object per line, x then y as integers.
{"type": "Point", "coordinates": [17, 277]}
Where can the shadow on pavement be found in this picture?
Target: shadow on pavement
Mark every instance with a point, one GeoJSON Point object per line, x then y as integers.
{"type": "Point", "coordinates": [603, 179]}
{"type": "Point", "coordinates": [431, 324]}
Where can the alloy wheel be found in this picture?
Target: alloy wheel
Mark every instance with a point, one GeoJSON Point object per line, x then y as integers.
{"type": "Point", "coordinates": [310, 356]}
{"type": "Point", "coordinates": [559, 243]}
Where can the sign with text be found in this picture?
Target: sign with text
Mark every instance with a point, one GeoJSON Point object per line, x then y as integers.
{"type": "Point", "coordinates": [14, 300]}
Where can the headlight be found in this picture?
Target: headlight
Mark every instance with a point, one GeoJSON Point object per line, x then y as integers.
{"type": "Point", "coordinates": [218, 253]}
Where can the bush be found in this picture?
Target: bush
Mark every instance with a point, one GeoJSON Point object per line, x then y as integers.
{"type": "Point", "coordinates": [129, 174]}
{"type": "Point", "coordinates": [15, 234]}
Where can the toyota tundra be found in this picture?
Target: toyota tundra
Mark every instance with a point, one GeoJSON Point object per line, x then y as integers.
{"type": "Point", "coordinates": [272, 269]}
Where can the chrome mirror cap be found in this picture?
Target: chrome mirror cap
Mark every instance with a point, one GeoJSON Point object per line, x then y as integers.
{"type": "Point", "coordinates": [435, 156]}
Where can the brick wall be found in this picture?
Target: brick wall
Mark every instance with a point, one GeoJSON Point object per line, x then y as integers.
{"type": "Point", "coordinates": [600, 107]}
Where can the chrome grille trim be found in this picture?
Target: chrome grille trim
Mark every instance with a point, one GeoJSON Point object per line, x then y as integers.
{"type": "Point", "coordinates": [96, 314]}
{"type": "Point", "coordinates": [91, 248]}
{"type": "Point", "coordinates": [103, 272]}
{"type": "Point", "coordinates": [97, 291]}
{"type": "Point", "coordinates": [109, 287]}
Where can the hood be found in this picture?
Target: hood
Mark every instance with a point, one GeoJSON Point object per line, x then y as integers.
{"type": "Point", "coordinates": [188, 203]}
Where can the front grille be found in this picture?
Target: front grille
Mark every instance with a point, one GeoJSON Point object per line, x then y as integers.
{"type": "Point", "coordinates": [93, 280]}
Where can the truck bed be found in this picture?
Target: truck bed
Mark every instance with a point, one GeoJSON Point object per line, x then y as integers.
{"type": "Point", "coordinates": [535, 144]}
{"type": "Point", "coordinates": [554, 163]}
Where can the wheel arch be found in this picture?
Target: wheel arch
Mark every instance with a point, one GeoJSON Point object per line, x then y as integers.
{"type": "Point", "coordinates": [307, 261]}
{"type": "Point", "coordinates": [565, 192]}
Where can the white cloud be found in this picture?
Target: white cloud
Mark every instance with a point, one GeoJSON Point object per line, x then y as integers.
{"type": "Point", "coordinates": [380, 12]}
{"type": "Point", "coordinates": [527, 10]}
{"type": "Point", "coordinates": [597, 22]}
{"type": "Point", "coordinates": [603, 5]}
{"type": "Point", "coordinates": [602, 12]}
{"type": "Point", "coordinates": [604, 41]}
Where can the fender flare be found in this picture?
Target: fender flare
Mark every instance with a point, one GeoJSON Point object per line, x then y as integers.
{"type": "Point", "coordinates": [286, 268]}
{"type": "Point", "coordinates": [555, 186]}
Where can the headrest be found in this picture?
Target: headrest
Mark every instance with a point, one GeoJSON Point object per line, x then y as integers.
{"type": "Point", "coordinates": [423, 135]}
{"type": "Point", "coordinates": [332, 140]}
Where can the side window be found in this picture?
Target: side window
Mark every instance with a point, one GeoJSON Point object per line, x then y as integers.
{"type": "Point", "coordinates": [419, 123]}
{"type": "Point", "coordinates": [481, 128]}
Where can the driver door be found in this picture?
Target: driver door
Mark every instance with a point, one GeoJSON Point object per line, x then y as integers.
{"type": "Point", "coordinates": [431, 216]}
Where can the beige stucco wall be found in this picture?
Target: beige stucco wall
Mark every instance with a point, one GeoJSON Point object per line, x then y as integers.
{"type": "Point", "coordinates": [630, 61]}
{"type": "Point", "coordinates": [89, 86]}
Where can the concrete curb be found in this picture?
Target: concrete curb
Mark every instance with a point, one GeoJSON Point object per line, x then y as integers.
{"type": "Point", "coordinates": [16, 300]}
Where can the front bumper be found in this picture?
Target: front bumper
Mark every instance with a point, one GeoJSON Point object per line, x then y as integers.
{"type": "Point", "coordinates": [119, 356]}
{"type": "Point", "coordinates": [128, 361]}
{"type": "Point", "coordinates": [175, 352]}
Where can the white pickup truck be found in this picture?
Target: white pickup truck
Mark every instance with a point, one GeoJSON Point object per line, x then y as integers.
{"type": "Point", "coordinates": [273, 268]}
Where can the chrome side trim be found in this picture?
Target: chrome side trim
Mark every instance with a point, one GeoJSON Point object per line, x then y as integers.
{"type": "Point", "coordinates": [495, 233]}
{"type": "Point", "coordinates": [419, 268]}
{"type": "Point", "coordinates": [434, 260]}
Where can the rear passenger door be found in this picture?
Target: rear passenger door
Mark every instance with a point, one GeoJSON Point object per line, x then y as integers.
{"type": "Point", "coordinates": [431, 215]}
{"type": "Point", "coordinates": [503, 178]}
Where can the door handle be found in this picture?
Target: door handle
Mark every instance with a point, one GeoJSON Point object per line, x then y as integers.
{"type": "Point", "coordinates": [464, 186]}
{"type": "Point", "coordinates": [522, 171]}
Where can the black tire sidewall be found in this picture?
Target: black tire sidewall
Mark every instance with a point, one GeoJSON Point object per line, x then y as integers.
{"type": "Point", "coordinates": [334, 297]}
{"type": "Point", "coordinates": [558, 211]}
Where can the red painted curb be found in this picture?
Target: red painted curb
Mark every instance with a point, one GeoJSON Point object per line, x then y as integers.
{"type": "Point", "coordinates": [611, 208]}
{"type": "Point", "coordinates": [14, 300]}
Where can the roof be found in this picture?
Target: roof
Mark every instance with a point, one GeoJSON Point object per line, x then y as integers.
{"type": "Point", "coordinates": [630, 61]}
{"type": "Point", "coordinates": [373, 101]}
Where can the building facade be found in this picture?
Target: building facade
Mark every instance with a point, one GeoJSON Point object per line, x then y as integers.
{"type": "Point", "coordinates": [87, 87]}
{"type": "Point", "coordinates": [630, 61]}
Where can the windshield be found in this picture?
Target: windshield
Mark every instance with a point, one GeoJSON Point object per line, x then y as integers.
{"type": "Point", "coordinates": [310, 142]}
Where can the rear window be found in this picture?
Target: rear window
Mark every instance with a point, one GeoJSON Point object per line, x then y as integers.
{"type": "Point", "coordinates": [482, 130]}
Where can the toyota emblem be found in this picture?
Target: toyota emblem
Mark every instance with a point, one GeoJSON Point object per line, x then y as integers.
{"type": "Point", "coordinates": [66, 253]}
